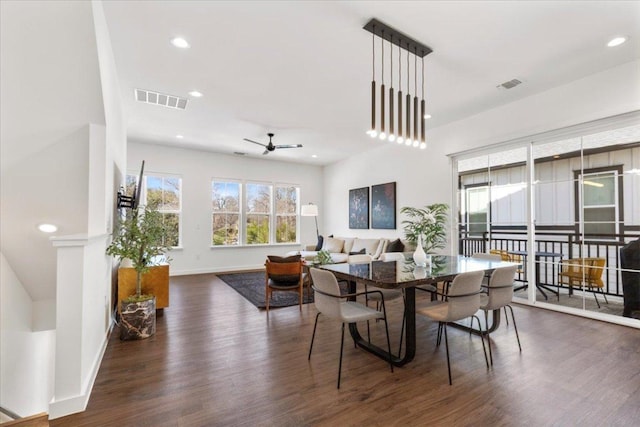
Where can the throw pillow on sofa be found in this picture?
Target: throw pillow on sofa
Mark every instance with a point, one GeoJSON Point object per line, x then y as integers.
{"type": "Point", "coordinates": [332, 245]}
{"type": "Point", "coordinates": [360, 252]}
{"type": "Point", "coordinates": [395, 246]}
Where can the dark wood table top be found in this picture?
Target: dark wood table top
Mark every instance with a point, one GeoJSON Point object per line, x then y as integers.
{"type": "Point", "coordinates": [404, 273]}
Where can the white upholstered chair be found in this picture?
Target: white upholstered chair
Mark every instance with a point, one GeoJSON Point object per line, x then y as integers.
{"type": "Point", "coordinates": [332, 304]}
{"type": "Point", "coordinates": [462, 301]}
{"type": "Point", "coordinates": [499, 295]}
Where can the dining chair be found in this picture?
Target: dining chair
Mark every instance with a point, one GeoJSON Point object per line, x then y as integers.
{"type": "Point", "coordinates": [499, 295]}
{"type": "Point", "coordinates": [486, 256]}
{"type": "Point", "coordinates": [587, 272]}
{"type": "Point", "coordinates": [284, 274]}
{"type": "Point", "coordinates": [462, 301]}
{"type": "Point", "coordinates": [329, 302]}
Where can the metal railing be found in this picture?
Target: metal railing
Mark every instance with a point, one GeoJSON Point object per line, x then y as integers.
{"type": "Point", "coordinates": [566, 243]}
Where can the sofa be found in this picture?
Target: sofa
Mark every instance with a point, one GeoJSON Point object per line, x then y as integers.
{"type": "Point", "coordinates": [341, 248]}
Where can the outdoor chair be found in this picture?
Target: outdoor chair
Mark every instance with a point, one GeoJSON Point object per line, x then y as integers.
{"type": "Point", "coordinates": [587, 272]}
{"type": "Point", "coordinates": [332, 304]}
{"type": "Point", "coordinates": [499, 295]}
{"type": "Point", "coordinates": [462, 301]}
{"type": "Point", "coordinates": [284, 274]}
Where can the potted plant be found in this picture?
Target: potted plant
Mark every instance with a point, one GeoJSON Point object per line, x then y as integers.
{"type": "Point", "coordinates": [426, 226]}
{"type": "Point", "coordinates": [139, 237]}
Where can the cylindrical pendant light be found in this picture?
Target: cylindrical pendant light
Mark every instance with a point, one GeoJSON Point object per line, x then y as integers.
{"type": "Point", "coordinates": [416, 137]}
{"type": "Point", "coordinates": [400, 138]}
{"type": "Point", "coordinates": [408, 141]}
{"type": "Point", "coordinates": [383, 135]}
{"type": "Point", "coordinates": [392, 135]}
{"type": "Point", "coordinates": [373, 132]}
{"type": "Point", "coordinates": [423, 140]}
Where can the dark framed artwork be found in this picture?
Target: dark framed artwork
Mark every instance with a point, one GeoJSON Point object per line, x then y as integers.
{"type": "Point", "coordinates": [383, 206]}
{"type": "Point", "coordinates": [359, 208]}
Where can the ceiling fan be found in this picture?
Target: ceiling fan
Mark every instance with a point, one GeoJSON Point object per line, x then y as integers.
{"type": "Point", "coordinates": [271, 147]}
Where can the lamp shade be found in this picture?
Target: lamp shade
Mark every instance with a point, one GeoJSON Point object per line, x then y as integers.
{"type": "Point", "coordinates": [309, 210]}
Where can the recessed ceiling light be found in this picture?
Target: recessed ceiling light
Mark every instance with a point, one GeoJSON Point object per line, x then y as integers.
{"type": "Point", "coordinates": [195, 94]}
{"type": "Point", "coordinates": [617, 41]}
{"type": "Point", "coordinates": [180, 42]}
{"type": "Point", "coordinates": [315, 156]}
{"type": "Point", "coordinates": [47, 228]}
{"type": "Point", "coordinates": [179, 136]}
{"type": "Point", "coordinates": [427, 116]}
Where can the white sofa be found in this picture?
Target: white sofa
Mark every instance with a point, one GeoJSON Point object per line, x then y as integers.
{"type": "Point", "coordinates": [340, 248]}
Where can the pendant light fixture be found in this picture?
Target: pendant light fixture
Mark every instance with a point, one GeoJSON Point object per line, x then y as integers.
{"type": "Point", "coordinates": [373, 132]}
{"type": "Point", "coordinates": [383, 135]}
{"type": "Point", "coordinates": [423, 140]}
{"type": "Point", "coordinates": [407, 140]}
{"type": "Point", "coordinates": [400, 138]}
{"type": "Point", "coordinates": [398, 131]}
{"type": "Point", "coordinates": [392, 135]}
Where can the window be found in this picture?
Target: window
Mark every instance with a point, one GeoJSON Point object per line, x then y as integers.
{"type": "Point", "coordinates": [286, 214]}
{"type": "Point", "coordinates": [258, 213]}
{"type": "Point", "coordinates": [253, 213]}
{"type": "Point", "coordinates": [477, 209]}
{"type": "Point", "coordinates": [164, 194]}
{"type": "Point", "coordinates": [225, 198]}
{"type": "Point", "coordinates": [599, 207]}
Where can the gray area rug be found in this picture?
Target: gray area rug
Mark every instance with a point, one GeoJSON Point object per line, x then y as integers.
{"type": "Point", "coordinates": [251, 286]}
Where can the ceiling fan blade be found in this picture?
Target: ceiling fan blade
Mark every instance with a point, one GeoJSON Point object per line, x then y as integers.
{"type": "Point", "coordinates": [248, 140]}
{"type": "Point", "coordinates": [289, 146]}
{"type": "Point", "coordinates": [265, 152]}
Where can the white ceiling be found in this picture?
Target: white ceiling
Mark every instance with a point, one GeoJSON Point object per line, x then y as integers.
{"type": "Point", "coordinates": [303, 69]}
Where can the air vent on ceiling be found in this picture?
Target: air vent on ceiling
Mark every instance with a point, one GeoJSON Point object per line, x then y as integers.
{"type": "Point", "coordinates": [169, 101]}
{"type": "Point", "coordinates": [510, 84]}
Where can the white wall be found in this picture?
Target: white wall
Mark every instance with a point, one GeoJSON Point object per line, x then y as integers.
{"type": "Point", "coordinates": [197, 168]}
{"type": "Point", "coordinates": [23, 351]}
{"type": "Point", "coordinates": [424, 176]}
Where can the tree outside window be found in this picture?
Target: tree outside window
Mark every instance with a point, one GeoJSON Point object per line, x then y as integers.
{"type": "Point", "coordinates": [225, 201]}
{"type": "Point", "coordinates": [286, 199]}
{"type": "Point", "coordinates": [258, 215]}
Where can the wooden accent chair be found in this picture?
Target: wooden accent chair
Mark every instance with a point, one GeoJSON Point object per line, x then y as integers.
{"type": "Point", "coordinates": [284, 274]}
{"type": "Point", "coordinates": [585, 272]}
{"type": "Point", "coordinates": [334, 305]}
{"type": "Point", "coordinates": [462, 301]}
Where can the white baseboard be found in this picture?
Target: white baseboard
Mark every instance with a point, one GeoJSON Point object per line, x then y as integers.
{"type": "Point", "coordinates": [216, 269]}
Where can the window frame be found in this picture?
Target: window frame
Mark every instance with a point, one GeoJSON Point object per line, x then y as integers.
{"type": "Point", "coordinates": [238, 212]}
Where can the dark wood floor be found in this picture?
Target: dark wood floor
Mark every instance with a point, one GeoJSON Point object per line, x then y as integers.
{"type": "Point", "coordinates": [217, 360]}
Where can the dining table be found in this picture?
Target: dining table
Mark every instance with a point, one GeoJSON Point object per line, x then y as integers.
{"type": "Point", "coordinates": [404, 274]}
{"type": "Point", "coordinates": [538, 255]}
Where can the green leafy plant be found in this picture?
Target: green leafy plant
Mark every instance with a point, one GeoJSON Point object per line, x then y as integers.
{"type": "Point", "coordinates": [429, 222]}
{"type": "Point", "coordinates": [140, 237]}
{"type": "Point", "coordinates": [323, 257]}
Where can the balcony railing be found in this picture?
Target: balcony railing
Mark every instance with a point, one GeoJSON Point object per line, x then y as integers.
{"type": "Point", "coordinates": [566, 243]}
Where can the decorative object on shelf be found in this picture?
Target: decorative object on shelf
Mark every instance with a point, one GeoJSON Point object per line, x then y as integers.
{"type": "Point", "coordinates": [383, 206]}
{"type": "Point", "coordinates": [359, 208]}
{"type": "Point", "coordinates": [427, 224]}
{"type": "Point", "coordinates": [411, 47]}
{"type": "Point", "coordinates": [139, 237]}
{"type": "Point", "coordinates": [323, 257]}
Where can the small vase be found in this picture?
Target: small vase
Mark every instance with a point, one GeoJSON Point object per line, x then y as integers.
{"type": "Point", "coordinates": [419, 256]}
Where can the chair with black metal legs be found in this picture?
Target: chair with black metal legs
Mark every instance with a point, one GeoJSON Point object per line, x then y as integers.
{"type": "Point", "coordinates": [499, 295]}
{"type": "Point", "coordinates": [462, 301]}
{"type": "Point", "coordinates": [329, 302]}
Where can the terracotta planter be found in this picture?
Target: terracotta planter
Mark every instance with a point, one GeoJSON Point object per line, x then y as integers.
{"type": "Point", "coordinates": [137, 319]}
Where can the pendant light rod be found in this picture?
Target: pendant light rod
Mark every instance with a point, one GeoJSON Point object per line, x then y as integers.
{"type": "Point", "coordinates": [392, 135]}
{"type": "Point", "coordinates": [401, 40]}
{"type": "Point", "coordinates": [373, 132]}
{"type": "Point", "coordinates": [383, 135]}
{"type": "Point", "coordinates": [400, 138]}
{"type": "Point", "coordinates": [408, 112]}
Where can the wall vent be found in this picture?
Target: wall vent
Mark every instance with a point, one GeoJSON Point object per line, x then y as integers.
{"type": "Point", "coordinates": [510, 84]}
{"type": "Point", "coordinates": [156, 98]}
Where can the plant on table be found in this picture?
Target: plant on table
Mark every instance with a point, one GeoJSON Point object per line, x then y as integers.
{"type": "Point", "coordinates": [323, 257]}
{"type": "Point", "coordinates": [428, 223]}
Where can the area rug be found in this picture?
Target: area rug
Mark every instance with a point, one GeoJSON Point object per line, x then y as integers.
{"type": "Point", "coordinates": [251, 286]}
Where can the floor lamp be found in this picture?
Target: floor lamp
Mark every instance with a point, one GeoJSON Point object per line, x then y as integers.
{"type": "Point", "coordinates": [312, 210]}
